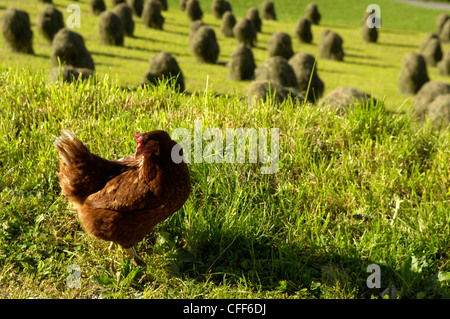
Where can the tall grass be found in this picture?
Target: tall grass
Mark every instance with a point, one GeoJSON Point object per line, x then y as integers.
{"type": "Point", "coordinates": [371, 187]}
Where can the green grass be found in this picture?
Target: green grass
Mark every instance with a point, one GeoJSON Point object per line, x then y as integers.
{"type": "Point", "coordinates": [372, 187]}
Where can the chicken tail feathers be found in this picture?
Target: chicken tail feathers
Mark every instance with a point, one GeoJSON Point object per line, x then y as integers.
{"type": "Point", "coordinates": [69, 147]}
{"type": "Point", "coordinates": [74, 157]}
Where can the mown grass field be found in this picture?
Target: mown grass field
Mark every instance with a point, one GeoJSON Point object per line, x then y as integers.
{"type": "Point", "coordinates": [371, 187]}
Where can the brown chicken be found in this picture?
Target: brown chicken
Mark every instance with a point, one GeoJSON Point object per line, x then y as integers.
{"type": "Point", "coordinates": [121, 201]}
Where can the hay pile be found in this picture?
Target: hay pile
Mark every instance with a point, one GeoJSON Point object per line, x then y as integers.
{"type": "Point", "coordinates": [136, 6]}
{"type": "Point", "coordinates": [312, 13]}
{"type": "Point", "coordinates": [444, 65]}
{"type": "Point", "coordinates": [68, 73]}
{"type": "Point", "coordinates": [413, 73]}
{"type": "Point", "coordinates": [151, 15]}
{"type": "Point", "coordinates": [16, 30]}
{"type": "Point", "coordinates": [69, 47]}
{"type": "Point", "coordinates": [303, 30]}
{"type": "Point", "coordinates": [204, 44]}
{"type": "Point", "coordinates": [164, 66]}
{"type": "Point", "coordinates": [242, 63]}
{"type": "Point", "coordinates": [440, 21]}
{"type": "Point", "coordinates": [280, 44]}
{"type": "Point", "coordinates": [330, 46]}
{"type": "Point", "coordinates": [268, 11]}
{"type": "Point", "coordinates": [125, 14]}
{"type": "Point", "coordinates": [253, 16]}
{"type": "Point", "coordinates": [219, 7]}
{"type": "Point", "coordinates": [97, 6]}
{"type": "Point", "coordinates": [369, 34]}
{"type": "Point", "coordinates": [305, 71]}
{"type": "Point", "coordinates": [193, 10]}
{"type": "Point", "coordinates": [343, 99]}
{"type": "Point", "coordinates": [110, 28]}
{"type": "Point", "coordinates": [439, 110]}
{"type": "Point", "coordinates": [431, 49]}
{"type": "Point", "coordinates": [277, 70]}
{"type": "Point", "coordinates": [182, 5]}
{"type": "Point", "coordinates": [245, 32]}
{"type": "Point", "coordinates": [164, 5]}
{"type": "Point", "coordinates": [228, 23]}
{"type": "Point", "coordinates": [426, 96]}
{"type": "Point", "coordinates": [49, 21]}
{"type": "Point", "coordinates": [270, 92]}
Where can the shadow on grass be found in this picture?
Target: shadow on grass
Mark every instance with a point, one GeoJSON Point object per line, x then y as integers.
{"type": "Point", "coordinates": [269, 264]}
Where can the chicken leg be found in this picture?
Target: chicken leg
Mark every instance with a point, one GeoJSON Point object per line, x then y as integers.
{"type": "Point", "coordinates": [138, 261]}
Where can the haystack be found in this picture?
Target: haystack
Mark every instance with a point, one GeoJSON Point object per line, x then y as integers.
{"type": "Point", "coordinates": [245, 32]}
{"type": "Point", "coordinates": [242, 63]}
{"type": "Point", "coordinates": [280, 44]}
{"type": "Point", "coordinates": [413, 73]}
{"type": "Point", "coordinates": [110, 28]}
{"type": "Point", "coordinates": [164, 67]}
{"type": "Point", "coordinates": [68, 46]}
{"type": "Point", "coordinates": [49, 21]}
{"type": "Point", "coordinates": [16, 30]}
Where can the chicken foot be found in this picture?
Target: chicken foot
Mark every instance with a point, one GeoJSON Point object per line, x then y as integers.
{"type": "Point", "coordinates": [138, 261]}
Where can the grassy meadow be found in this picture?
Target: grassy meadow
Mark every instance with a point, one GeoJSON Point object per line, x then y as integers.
{"type": "Point", "coordinates": [370, 187]}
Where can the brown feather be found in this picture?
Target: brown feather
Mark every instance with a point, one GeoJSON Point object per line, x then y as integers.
{"type": "Point", "coordinates": [121, 201]}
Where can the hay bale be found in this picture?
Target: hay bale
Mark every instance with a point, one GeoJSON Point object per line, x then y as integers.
{"type": "Point", "coordinates": [182, 5]}
{"type": "Point", "coordinates": [444, 65]}
{"type": "Point", "coordinates": [228, 23]}
{"type": "Point", "coordinates": [304, 69]}
{"type": "Point", "coordinates": [136, 6]}
{"type": "Point", "coordinates": [330, 46]}
{"type": "Point", "coordinates": [242, 63]}
{"type": "Point", "coordinates": [270, 92]}
{"type": "Point", "coordinates": [303, 30]}
{"type": "Point", "coordinates": [277, 69]}
{"type": "Point", "coordinates": [164, 66]}
{"type": "Point", "coordinates": [427, 94]}
{"type": "Point", "coordinates": [343, 99]}
{"type": "Point", "coordinates": [245, 32]}
{"type": "Point", "coordinates": [280, 44]}
{"type": "Point", "coordinates": [368, 34]}
{"type": "Point", "coordinates": [253, 16]}
{"type": "Point", "coordinates": [413, 73]}
{"type": "Point", "coordinates": [219, 7]}
{"type": "Point", "coordinates": [268, 11]}
{"type": "Point", "coordinates": [68, 73]}
{"type": "Point", "coordinates": [195, 25]}
{"type": "Point", "coordinates": [204, 44]}
{"type": "Point", "coordinates": [312, 13]}
{"type": "Point", "coordinates": [440, 21]}
{"type": "Point", "coordinates": [164, 5]}
{"type": "Point", "coordinates": [151, 15]}
{"type": "Point", "coordinates": [68, 46]}
{"type": "Point", "coordinates": [16, 30]}
{"type": "Point", "coordinates": [193, 10]}
{"type": "Point", "coordinates": [49, 21]}
{"type": "Point", "coordinates": [97, 6]}
{"type": "Point", "coordinates": [110, 28]}
{"type": "Point", "coordinates": [431, 49]}
{"type": "Point", "coordinates": [444, 35]}
{"type": "Point", "coordinates": [125, 14]}
{"type": "Point", "coordinates": [439, 110]}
